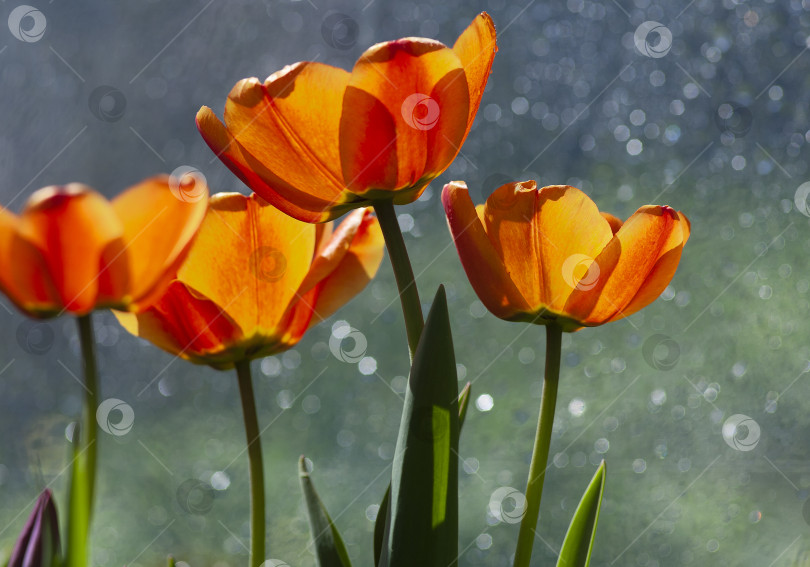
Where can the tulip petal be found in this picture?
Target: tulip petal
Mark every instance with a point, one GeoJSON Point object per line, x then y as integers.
{"type": "Point", "coordinates": [257, 177]}
{"type": "Point", "coordinates": [662, 272]}
{"type": "Point", "coordinates": [485, 268]}
{"type": "Point", "coordinates": [28, 284]}
{"type": "Point", "coordinates": [548, 238]}
{"type": "Point", "coordinates": [347, 264]}
{"type": "Point", "coordinates": [71, 226]}
{"type": "Point", "coordinates": [250, 259]}
{"type": "Point", "coordinates": [290, 125]}
{"type": "Point", "coordinates": [651, 234]}
{"type": "Point", "coordinates": [614, 222]}
{"type": "Point", "coordinates": [476, 48]}
{"type": "Point", "coordinates": [159, 225]}
{"type": "Point", "coordinates": [185, 324]}
{"type": "Point", "coordinates": [404, 116]}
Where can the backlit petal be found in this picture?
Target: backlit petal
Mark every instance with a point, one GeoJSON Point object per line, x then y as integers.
{"type": "Point", "coordinates": [290, 125]}
{"type": "Point", "coordinates": [614, 222]}
{"type": "Point", "coordinates": [184, 324]}
{"type": "Point", "coordinates": [347, 264]}
{"type": "Point", "coordinates": [476, 49]}
{"type": "Point", "coordinates": [404, 115]}
{"type": "Point", "coordinates": [255, 175]}
{"type": "Point", "coordinates": [250, 259]}
{"type": "Point", "coordinates": [626, 263]}
{"type": "Point", "coordinates": [662, 272]}
{"type": "Point", "coordinates": [547, 239]}
{"type": "Point", "coordinates": [72, 226]}
{"type": "Point", "coordinates": [481, 262]}
{"type": "Point", "coordinates": [24, 277]}
{"type": "Point", "coordinates": [159, 225]}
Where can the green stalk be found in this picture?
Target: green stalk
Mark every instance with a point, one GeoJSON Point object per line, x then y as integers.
{"type": "Point", "coordinates": [406, 284]}
{"type": "Point", "coordinates": [84, 466]}
{"type": "Point", "coordinates": [542, 441]}
{"type": "Point", "coordinates": [254, 447]}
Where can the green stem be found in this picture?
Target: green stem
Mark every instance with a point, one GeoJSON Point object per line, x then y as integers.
{"type": "Point", "coordinates": [85, 467]}
{"type": "Point", "coordinates": [254, 447]}
{"type": "Point", "coordinates": [542, 440]}
{"type": "Point", "coordinates": [406, 284]}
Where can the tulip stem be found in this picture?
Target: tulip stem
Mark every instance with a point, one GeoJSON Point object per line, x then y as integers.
{"type": "Point", "coordinates": [84, 465]}
{"type": "Point", "coordinates": [254, 448]}
{"type": "Point", "coordinates": [406, 284]}
{"type": "Point", "coordinates": [542, 441]}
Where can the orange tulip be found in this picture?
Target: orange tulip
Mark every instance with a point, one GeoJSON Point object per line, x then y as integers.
{"type": "Point", "coordinates": [549, 256]}
{"type": "Point", "coordinates": [316, 141]}
{"type": "Point", "coordinates": [256, 280]}
{"type": "Point", "coordinates": [73, 250]}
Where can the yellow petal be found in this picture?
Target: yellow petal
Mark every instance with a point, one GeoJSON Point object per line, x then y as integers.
{"type": "Point", "coordinates": [250, 259]}
{"type": "Point", "coordinates": [614, 222]}
{"type": "Point", "coordinates": [160, 218]}
{"type": "Point", "coordinates": [547, 239]}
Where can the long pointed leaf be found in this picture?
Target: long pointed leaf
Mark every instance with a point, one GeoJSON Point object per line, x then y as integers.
{"type": "Point", "coordinates": [578, 544]}
{"type": "Point", "coordinates": [463, 403]}
{"type": "Point", "coordinates": [424, 482]}
{"type": "Point", "coordinates": [382, 514]}
{"type": "Point", "coordinates": [330, 551]}
{"type": "Point", "coordinates": [381, 525]}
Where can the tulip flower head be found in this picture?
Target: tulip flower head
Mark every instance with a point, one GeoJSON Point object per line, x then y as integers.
{"type": "Point", "coordinates": [549, 256]}
{"type": "Point", "coordinates": [256, 280]}
{"type": "Point", "coordinates": [316, 141]}
{"type": "Point", "coordinates": [72, 250]}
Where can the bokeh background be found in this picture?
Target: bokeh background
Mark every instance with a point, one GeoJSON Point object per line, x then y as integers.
{"type": "Point", "coordinates": [705, 109]}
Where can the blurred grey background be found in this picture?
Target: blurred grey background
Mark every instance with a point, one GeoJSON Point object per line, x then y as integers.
{"type": "Point", "coordinates": [704, 109]}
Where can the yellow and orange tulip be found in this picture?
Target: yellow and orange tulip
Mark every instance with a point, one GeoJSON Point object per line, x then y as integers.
{"type": "Point", "coordinates": [256, 280]}
{"type": "Point", "coordinates": [72, 250]}
{"type": "Point", "coordinates": [549, 256]}
{"type": "Point", "coordinates": [316, 141]}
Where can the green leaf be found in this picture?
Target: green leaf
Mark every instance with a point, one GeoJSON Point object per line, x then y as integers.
{"type": "Point", "coordinates": [382, 513]}
{"type": "Point", "coordinates": [423, 526]}
{"type": "Point", "coordinates": [171, 561]}
{"type": "Point", "coordinates": [381, 525]}
{"type": "Point", "coordinates": [578, 544]}
{"type": "Point", "coordinates": [380, 529]}
{"type": "Point", "coordinates": [463, 403]}
{"type": "Point", "coordinates": [330, 551]}
{"type": "Point", "coordinates": [78, 513]}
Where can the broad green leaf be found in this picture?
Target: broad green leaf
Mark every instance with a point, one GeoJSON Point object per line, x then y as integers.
{"type": "Point", "coordinates": [423, 527]}
{"type": "Point", "coordinates": [78, 513]}
{"type": "Point", "coordinates": [382, 513]}
{"type": "Point", "coordinates": [330, 550]}
{"type": "Point", "coordinates": [578, 544]}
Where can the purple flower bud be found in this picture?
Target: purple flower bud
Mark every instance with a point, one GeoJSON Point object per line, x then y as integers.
{"type": "Point", "coordinates": [38, 543]}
